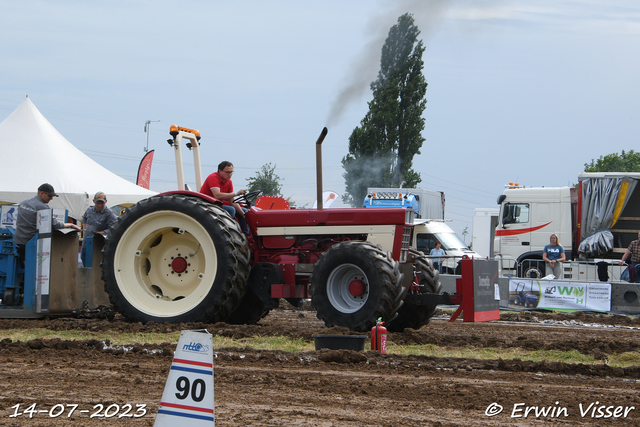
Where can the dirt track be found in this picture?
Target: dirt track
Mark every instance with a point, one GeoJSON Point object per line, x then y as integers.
{"type": "Point", "coordinates": [334, 388]}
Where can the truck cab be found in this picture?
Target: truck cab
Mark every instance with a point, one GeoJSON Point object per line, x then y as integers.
{"type": "Point", "coordinates": [528, 217]}
{"type": "Point", "coordinates": [427, 232]}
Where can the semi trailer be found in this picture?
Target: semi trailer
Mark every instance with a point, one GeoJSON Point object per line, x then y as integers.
{"type": "Point", "coordinates": [595, 221]}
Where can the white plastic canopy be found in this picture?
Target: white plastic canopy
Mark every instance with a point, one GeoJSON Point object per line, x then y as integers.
{"type": "Point", "coordinates": [34, 152]}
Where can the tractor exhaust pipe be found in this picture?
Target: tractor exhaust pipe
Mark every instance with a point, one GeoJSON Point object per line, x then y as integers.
{"type": "Point", "coordinates": [319, 166]}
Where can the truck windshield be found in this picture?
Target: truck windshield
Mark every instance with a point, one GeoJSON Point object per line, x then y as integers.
{"type": "Point", "coordinates": [450, 241]}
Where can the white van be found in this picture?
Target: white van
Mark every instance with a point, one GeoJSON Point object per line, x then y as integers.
{"type": "Point", "coordinates": [426, 232]}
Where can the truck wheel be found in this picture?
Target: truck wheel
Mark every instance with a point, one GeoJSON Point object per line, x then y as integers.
{"type": "Point", "coordinates": [531, 270]}
{"type": "Point", "coordinates": [175, 259]}
{"type": "Point", "coordinates": [412, 315]}
{"type": "Point", "coordinates": [355, 283]}
{"type": "Point", "coordinates": [250, 310]}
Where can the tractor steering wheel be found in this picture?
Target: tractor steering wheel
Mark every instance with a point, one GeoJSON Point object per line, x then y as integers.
{"type": "Point", "coordinates": [247, 198]}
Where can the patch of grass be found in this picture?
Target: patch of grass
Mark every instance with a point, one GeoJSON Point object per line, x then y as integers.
{"type": "Point", "coordinates": [115, 338]}
{"type": "Point", "coordinates": [573, 356]}
{"type": "Point", "coordinates": [629, 358]}
{"type": "Point", "coordinates": [258, 342]}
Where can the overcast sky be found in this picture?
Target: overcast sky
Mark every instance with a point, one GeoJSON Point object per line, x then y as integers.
{"type": "Point", "coordinates": [525, 91]}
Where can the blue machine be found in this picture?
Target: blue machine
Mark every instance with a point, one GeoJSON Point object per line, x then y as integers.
{"type": "Point", "coordinates": [17, 284]}
{"type": "Point", "coordinates": [523, 298]}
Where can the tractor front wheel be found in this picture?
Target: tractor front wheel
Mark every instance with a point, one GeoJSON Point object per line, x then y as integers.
{"type": "Point", "coordinates": [355, 283]}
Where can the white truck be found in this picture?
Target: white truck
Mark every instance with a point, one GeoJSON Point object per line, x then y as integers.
{"type": "Point", "coordinates": [425, 231]}
{"type": "Point", "coordinates": [595, 221]}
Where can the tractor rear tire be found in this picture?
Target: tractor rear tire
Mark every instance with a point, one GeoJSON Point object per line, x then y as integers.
{"type": "Point", "coordinates": [355, 283]}
{"type": "Point", "coordinates": [174, 258]}
{"type": "Point", "coordinates": [412, 315]}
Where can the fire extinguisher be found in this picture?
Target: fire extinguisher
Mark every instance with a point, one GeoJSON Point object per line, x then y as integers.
{"type": "Point", "coordinates": [379, 337]}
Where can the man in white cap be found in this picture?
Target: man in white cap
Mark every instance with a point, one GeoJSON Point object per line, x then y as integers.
{"type": "Point", "coordinates": [26, 226]}
{"type": "Point", "coordinates": [97, 219]}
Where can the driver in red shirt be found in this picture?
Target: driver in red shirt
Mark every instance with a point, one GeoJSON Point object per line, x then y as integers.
{"type": "Point", "coordinates": [219, 186]}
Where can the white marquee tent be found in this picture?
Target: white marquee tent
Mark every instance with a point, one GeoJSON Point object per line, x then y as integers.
{"type": "Point", "coordinates": [34, 152]}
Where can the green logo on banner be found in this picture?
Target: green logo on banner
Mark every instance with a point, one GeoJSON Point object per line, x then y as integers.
{"type": "Point", "coordinates": [569, 290]}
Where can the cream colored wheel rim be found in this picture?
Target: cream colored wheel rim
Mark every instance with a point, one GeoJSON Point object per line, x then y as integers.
{"type": "Point", "coordinates": [165, 264]}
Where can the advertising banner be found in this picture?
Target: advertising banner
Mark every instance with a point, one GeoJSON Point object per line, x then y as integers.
{"type": "Point", "coordinates": [144, 170]}
{"type": "Point", "coordinates": [559, 295]}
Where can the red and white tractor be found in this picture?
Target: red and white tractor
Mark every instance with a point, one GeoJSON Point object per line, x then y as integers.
{"type": "Point", "coordinates": [180, 257]}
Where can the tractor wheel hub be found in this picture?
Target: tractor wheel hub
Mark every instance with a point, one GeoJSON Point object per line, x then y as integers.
{"type": "Point", "coordinates": [357, 288]}
{"type": "Point", "coordinates": [179, 264]}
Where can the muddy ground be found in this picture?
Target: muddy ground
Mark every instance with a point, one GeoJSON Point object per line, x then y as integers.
{"type": "Point", "coordinates": [334, 388]}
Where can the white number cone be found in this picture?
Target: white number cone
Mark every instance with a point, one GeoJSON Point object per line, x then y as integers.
{"type": "Point", "coordinates": [188, 395]}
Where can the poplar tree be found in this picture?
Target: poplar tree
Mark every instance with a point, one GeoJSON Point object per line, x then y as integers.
{"type": "Point", "coordinates": [382, 148]}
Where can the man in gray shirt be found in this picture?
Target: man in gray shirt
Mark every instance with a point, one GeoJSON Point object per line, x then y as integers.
{"type": "Point", "coordinates": [26, 226]}
{"type": "Point", "coordinates": [97, 219]}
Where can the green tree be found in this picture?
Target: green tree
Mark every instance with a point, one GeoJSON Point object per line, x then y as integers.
{"type": "Point", "coordinates": [623, 162]}
{"type": "Point", "coordinates": [266, 181]}
{"type": "Point", "coordinates": [382, 148]}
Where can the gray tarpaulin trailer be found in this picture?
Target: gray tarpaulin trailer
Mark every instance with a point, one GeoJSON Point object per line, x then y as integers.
{"type": "Point", "coordinates": [608, 208]}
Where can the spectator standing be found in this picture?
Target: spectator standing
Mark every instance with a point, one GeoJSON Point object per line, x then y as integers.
{"type": "Point", "coordinates": [437, 262]}
{"type": "Point", "coordinates": [96, 219]}
{"type": "Point", "coordinates": [553, 255]}
{"type": "Point", "coordinates": [27, 217]}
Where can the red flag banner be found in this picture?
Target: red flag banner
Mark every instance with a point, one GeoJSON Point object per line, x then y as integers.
{"type": "Point", "coordinates": [144, 170]}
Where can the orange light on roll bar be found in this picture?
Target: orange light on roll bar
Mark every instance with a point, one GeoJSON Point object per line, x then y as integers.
{"type": "Point", "coordinates": [174, 129]}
